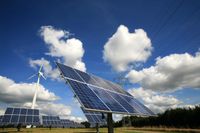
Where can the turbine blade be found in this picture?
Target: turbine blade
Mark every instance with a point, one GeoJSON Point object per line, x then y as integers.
{"type": "Point", "coordinates": [32, 76]}
{"type": "Point", "coordinates": [41, 65]}
{"type": "Point", "coordinates": [43, 76]}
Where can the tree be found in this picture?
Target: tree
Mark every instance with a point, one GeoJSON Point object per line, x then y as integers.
{"type": "Point", "coordinates": [86, 124]}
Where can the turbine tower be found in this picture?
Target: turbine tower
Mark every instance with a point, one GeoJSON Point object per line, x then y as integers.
{"type": "Point", "coordinates": [36, 89]}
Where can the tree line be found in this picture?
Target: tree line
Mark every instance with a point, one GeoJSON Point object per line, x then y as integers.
{"type": "Point", "coordinates": [178, 118]}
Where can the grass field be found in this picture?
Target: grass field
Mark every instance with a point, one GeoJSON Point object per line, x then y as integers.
{"type": "Point", "coordinates": [89, 130]}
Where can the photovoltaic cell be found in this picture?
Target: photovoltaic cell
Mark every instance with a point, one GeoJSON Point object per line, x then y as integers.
{"type": "Point", "coordinates": [102, 83]}
{"type": "Point", "coordinates": [87, 96]}
{"type": "Point", "coordinates": [86, 77]}
{"type": "Point", "coordinates": [124, 103]}
{"type": "Point", "coordinates": [51, 120]}
{"type": "Point", "coordinates": [98, 94]}
{"type": "Point", "coordinates": [108, 100]}
{"type": "Point", "coordinates": [69, 72]}
{"type": "Point", "coordinates": [132, 101]}
{"type": "Point", "coordinates": [21, 115]}
{"type": "Point", "coordinates": [9, 111]}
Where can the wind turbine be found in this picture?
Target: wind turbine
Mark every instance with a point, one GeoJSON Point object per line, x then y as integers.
{"type": "Point", "coordinates": [36, 89]}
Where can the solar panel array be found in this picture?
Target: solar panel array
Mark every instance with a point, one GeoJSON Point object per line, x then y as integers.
{"type": "Point", "coordinates": [21, 115]}
{"type": "Point", "coordinates": [55, 121]}
{"type": "Point", "coordinates": [65, 122]}
{"type": "Point", "coordinates": [97, 94]}
{"type": "Point", "coordinates": [95, 117]}
{"type": "Point", "coordinates": [51, 120]}
{"type": "Point", "coordinates": [1, 117]}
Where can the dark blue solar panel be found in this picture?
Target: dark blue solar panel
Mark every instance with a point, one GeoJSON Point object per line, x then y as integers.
{"type": "Point", "coordinates": [113, 86]}
{"type": "Point", "coordinates": [29, 119]}
{"type": "Point", "coordinates": [23, 111]}
{"type": "Point", "coordinates": [44, 122]}
{"type": "Point", "coordinates": [95, 118]}
{"type": "Point", "coordinates": [9, 111]}
{"type": "Point", "coordinates": [36, 112]}
{"type": "Point", "coordinates": [124, 103]}
{"type": "Point", "coordinates": [108, 100]}
{"type": "Point", "coordinates": [102, 83]}
{"type": "Point", "coordinates": [48, 123]}
{"type": "Point", "coordinates": [50, 117]}
{"type": "Point", "coordinates": [16, 110]}
{"type": "Point", "coordinates": [30, 112]}
{"type": "Point", "coordinates": [85, 112]}
{"type": "Point", "coordinates": [121, 89]}
{"type": "Point", "coordinates": [43, 117]}
{"type": "Point", "coordinates": [98, 98]}
{"type": "Point", "coordinates": [47, 117]}
{"type": "Point", "coordinates": [36, 119]}
{"type": "Point", "coordinates": [86, 77]}
{"type": "Point", "coordinates": [6, 118]}
{"type": "Point", "coordinates": [22, 119]}
{"type": "Point", "coordinates": [69, 72]}
{"type": "Point", "coordinates": [100, 118]}
{"type": "Point", "coordinates": [144, 107]}
{"type": "Point", "coordinates": [87, 96]}
{"type": "Point", "coordinates": [14, 118]}
{"type": "Point", "coordinates": [132, 101]}
{"type": "Point", "coordinates": [89, 118]}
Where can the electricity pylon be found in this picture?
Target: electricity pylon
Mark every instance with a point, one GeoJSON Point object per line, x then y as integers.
{"type": "Point", "coordinates": [121, 83]}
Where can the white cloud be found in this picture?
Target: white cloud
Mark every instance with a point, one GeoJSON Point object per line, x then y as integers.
{"type": "Point", "coordinates": [12, 92]}
{"type": "Point", "coordinates": [50, 108]}
{"type": "Point", "coordinates": [124, 48]}
{"type": "Point", "coordinates": [187, 99]}
{"type": "Point", "coordinates": [47, 68]}
{"type": "Point", "coordinates": [170, 73]}
{"type": "Point", "coordinates": [140, 92]}
{"type": "Point", "coordinates": [71, 50]}
{"type": "Point", "coordinates": [117, 117]}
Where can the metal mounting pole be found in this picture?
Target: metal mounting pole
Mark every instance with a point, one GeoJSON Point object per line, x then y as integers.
{"type": "Point", "coordinates": [97, 127]}
{"type": "Point", "coordinates": [110, 123]}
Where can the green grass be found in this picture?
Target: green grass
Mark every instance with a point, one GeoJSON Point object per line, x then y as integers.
{"type": "Point", "coordinates": [67, 130]}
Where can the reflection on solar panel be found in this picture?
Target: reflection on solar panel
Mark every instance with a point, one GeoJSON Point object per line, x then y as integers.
{"type": "Point", "coordinates": [95, 117]}
{"type": "Point", "coordinates": [51, 120]}
{"type": "Point", "coordinates": [21, 115]}
{"type": "Point", "coordinates": [97, 94]}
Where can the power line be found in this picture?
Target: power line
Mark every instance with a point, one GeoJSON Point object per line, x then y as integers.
{"type": "Point", "coordinates": [161, 28]}
{"type": "Point", "coordinates": [180, 35]}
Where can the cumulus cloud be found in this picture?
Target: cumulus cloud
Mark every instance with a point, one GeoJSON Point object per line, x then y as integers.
{"type": "Point", "coordinates": [70, 50]}
{"type": "Point", "coordinates": [47, 68]}
{"type": "Point", "coordinates": [11, 92]}
{"type": "Point", "coordinates": [117, 117]}
{"type": "Point", "coordinates": [140, 92]}
{"type": "Point", "coordinates": [170, 73]}
{"type": "Point", "coordinates": [157, 102]}
{"type": "Point", "coordinates": [124, 48]}
{"type": "Point", "coordinates": [50, 109]}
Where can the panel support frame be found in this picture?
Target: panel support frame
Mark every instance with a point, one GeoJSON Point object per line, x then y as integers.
{"type": "Point", "coordinates": [110, 123]}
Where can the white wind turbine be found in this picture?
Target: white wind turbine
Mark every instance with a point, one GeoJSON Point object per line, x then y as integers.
{"type": "Point", "coordinates": [36, 89]}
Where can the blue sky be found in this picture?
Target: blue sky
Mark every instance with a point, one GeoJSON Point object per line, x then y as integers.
{"type": "Point", "coordinates": [153, 43]}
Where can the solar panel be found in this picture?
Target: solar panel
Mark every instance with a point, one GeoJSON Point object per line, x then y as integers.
{"type": "Point", "coordinates": [94, 117]}
{"type": "Point", "coordinates": [51, 120]}
{"type": "Point", "coordinates": [97, 94]}
{"type": "Point", "coordinates": [21, 115]}
{"type": "Point", "coordinates": [65, 122]}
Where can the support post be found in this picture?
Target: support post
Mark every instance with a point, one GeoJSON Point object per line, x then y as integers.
{"type": "Point", "coordinates": [97, 127]}
{"type": "Point", "coordinates": [110, 123]}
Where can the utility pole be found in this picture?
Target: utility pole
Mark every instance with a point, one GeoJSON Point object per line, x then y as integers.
{"type": "Point", "coordinates": [121, 83]}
